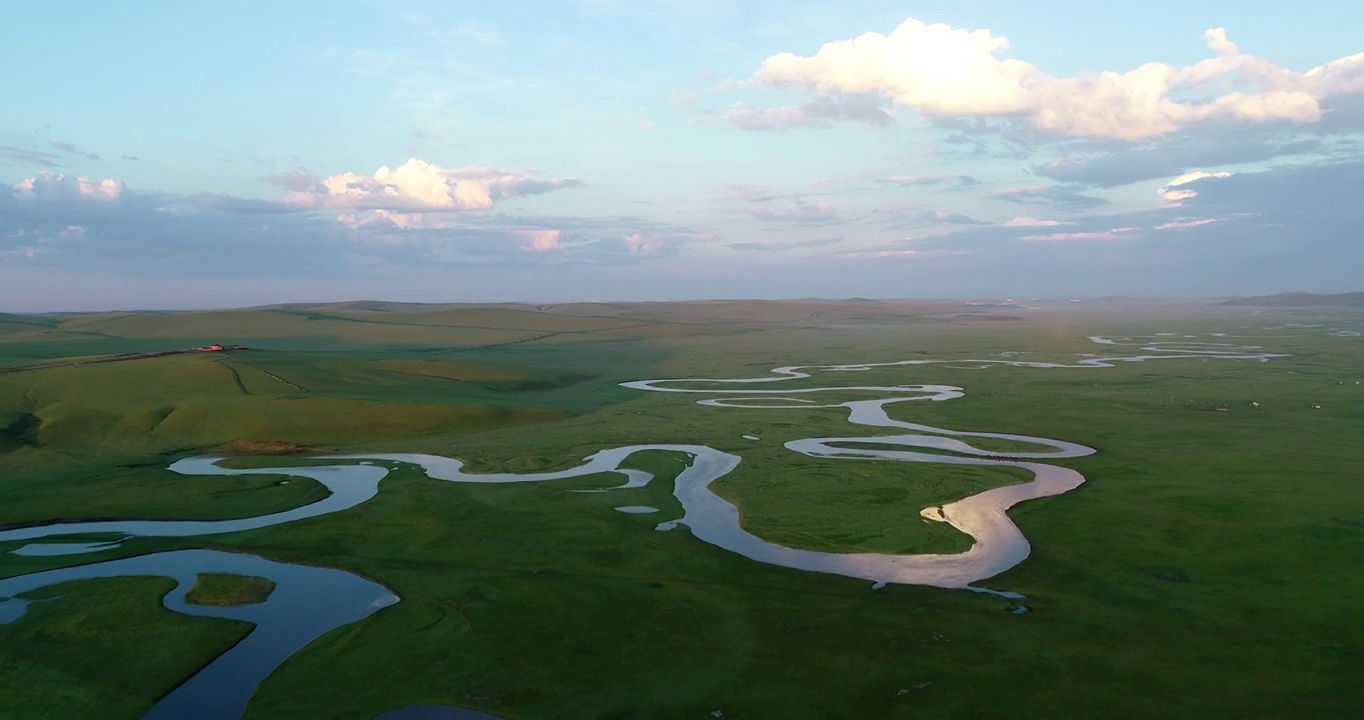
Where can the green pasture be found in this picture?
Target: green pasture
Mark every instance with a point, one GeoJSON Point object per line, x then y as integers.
{"type": "Point", "coordinates": [1208, 567]}
{"type": "Point", "coordinates": [229, 590]}
{"type": "Point", "coordinates": [103, 648]}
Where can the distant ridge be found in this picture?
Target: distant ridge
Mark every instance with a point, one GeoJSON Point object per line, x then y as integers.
{"type": "Point", "coordinates": [1297, 299]}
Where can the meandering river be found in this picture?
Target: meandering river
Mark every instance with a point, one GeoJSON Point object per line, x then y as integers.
{"type": "Point", "coordinates": [310, 601]}
{"type": "Point", "coordinates": [997, 543]}
{"type": "Point", "coordinates": [307, 602]}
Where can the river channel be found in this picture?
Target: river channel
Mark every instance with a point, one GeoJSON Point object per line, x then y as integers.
{"type": "Point", "coordinates": [997, 543]}
{"type": "Point", "coordinates": [310, 601]}
{"type": "Point", "coordinates": [307, 602]}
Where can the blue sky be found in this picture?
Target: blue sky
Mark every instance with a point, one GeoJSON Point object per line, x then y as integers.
{"type": "Point", "coordinates": [230, 154]}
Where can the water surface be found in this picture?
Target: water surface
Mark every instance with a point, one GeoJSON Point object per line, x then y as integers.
{"type": "Point", "coordinates": [307, 602]}
{"type": "Point", "coordinates": [998, 544]}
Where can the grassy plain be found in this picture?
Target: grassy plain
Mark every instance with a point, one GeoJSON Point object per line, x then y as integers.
{"type": "Point", "coordinates": [220, 590]}
{"type": "Point", "coordinates": [103, 648]}
{"type": "Point", "coordinates": [1208, 567]}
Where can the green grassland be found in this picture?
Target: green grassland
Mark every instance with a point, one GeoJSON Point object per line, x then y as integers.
{"type": "Point", "coordinates": [1209, 567]}
{"type": "Point", "coordinates": [103, 648]}
{"type": "Point", "coordinates": [229, 590]}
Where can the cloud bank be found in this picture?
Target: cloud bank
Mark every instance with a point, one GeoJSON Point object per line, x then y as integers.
{"type": "Point", "coordinates": [415, 186]}
{"type": "Point", "coordinates": [337, 225]}
{"type": "Point", "coordinates": [955, 73]}
{"type": "Point", "coordinates": [51, 187]}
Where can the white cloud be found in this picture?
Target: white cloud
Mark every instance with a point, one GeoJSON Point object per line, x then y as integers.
{"type": "Point", "coordinates": [1342, 76]}
{"type": "Point", "coordinates": [417, 186]}
{"type": "Point", "coordinates": [50, 187]}
{"type": "Point", "coordinates": [1114, 234]}
{"type": "Point", "coordinates": [639, 244]}
{"type": "Point", "coordinates": [541, 240]}
{"type": "Point", "coordinates": [952, 72]}
{"type": "Point", "coordinates": [384, 218]}
{"type": "Point", "coordinates": [1023, 221]}
{"type": "Point", "coordinates": [1173, 192]}
{"type": "Point", "coordinates": [659, 241]}
{"type": "Point", "coordinates": [77, 222]}
{"type": "Point", "coordinates": [1185, 224]}
{"type": "Point", "coordinates": [934, 68]}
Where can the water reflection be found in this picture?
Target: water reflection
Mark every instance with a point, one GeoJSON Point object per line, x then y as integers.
{"type": "Point", "coordinates": [307, 602]}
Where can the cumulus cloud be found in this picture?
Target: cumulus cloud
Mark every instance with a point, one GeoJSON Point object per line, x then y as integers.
{"type": "Point", "coordinates": [387, 219]}
{"type": "Point", "coordinates": [86, 223]}
{"type": "Point", "coordinates": [951, 218]}
{"type": "Point", "coordinates": [417, 186]}
{"type": "Point", "coordinates": [82, 223]}
{"type": "Point", "coordinates": [933, 68]}
{"type": "Point", "coordinates": [55, 187]}
{"type": "Point", "coordinates": [541, 240]}
{"type": "Point", "coordinates": [640, 244]}
{"type": "Point", "coordinates": [482, 238]}
{"type": "Point", "coordinates": [1174, 191]}
{"type": "Point", "coordinates": [951, 72]}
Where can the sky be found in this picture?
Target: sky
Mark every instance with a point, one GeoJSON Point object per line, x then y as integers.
{"type": "Point", "coordinates": [232, 154]}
